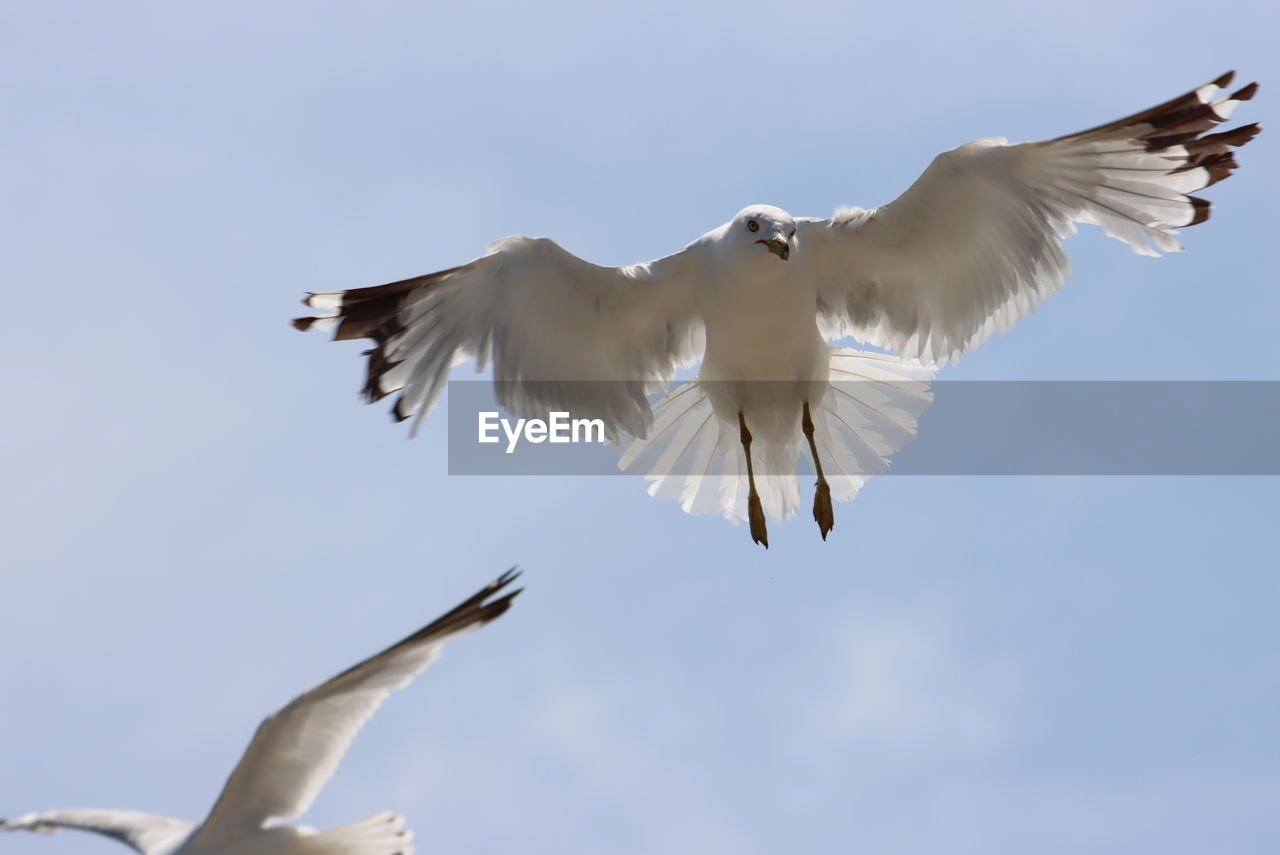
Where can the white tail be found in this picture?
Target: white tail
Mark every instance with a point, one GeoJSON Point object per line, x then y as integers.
{"type": "Point", "coordinates": [381, 834]}
{"type": "Point", "coordinates": [868, 412]}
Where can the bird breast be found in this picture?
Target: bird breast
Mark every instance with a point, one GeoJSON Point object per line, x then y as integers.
{"type": "Point", "coordinates": [761, 324]}
{"type": "Point", "coordinates": [764, 354]}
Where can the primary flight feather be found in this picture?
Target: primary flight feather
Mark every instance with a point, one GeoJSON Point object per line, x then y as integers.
{"type": "Point", "coordinates": [971, 247]}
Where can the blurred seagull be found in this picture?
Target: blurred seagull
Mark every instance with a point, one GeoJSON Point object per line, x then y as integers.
{"type": "Point", "coordinates": [291, 757]}
{"type": "Point", "coordinates": [969, 249]}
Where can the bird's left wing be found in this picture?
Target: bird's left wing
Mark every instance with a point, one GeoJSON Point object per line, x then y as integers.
{"type": "Point", "coordinates": [295, 751]}
{"type": "Point", "coordinates": [974, 244]}
{"type": "Point", "coordinates": [562, 333]}
{"type": "Point", "coordinates": [143, 832]}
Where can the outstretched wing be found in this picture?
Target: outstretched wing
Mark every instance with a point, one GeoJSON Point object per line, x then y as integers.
{"type": "Point", "coordinates": [974, 244]}
{"type": "Point", "coordinates": [562, 333]}
{"type": "Point", "coordinates": [143, 832]}
{"type": "Point", "coordinates": [295, 751]}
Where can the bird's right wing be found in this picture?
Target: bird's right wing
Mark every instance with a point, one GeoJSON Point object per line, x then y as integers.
{"type": "Point", "coordinates": [295, 751]}
{"type": "Point", "coordinates": [143, 832]}
{"type": "Point", "coordinates": [563, 334]}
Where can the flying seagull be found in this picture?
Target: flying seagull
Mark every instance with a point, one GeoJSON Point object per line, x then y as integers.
{"type": "Point", "coordinates": [974, 245]}
{"type": "Point", "coordinates": [291, 757]}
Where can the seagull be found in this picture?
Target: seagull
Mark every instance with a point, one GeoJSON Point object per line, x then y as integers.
{"type": "Point", "coordinates": [973, 246]}
{"type": "Point", "coordinates": [291, 757]}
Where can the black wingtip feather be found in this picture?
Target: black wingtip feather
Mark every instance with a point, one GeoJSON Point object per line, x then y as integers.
{"type": "Point", "coordinates": [1245, 93]}
{"type": "Point", "coordinates": [374, 313]}
{"type": "Point", "coordinates": [472, 613]}
{"type": "Point", "coordinates": [1202, 208]}
{"type": "Point", "coordinates": [1219, 166]}
{"type": "Point", "coordinates": [475, 610]}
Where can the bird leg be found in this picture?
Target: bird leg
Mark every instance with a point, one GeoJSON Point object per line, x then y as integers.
{"type": "Point", "coordinates": [823, 513]}
{"type": "Point", "coordinates": [755, 511]}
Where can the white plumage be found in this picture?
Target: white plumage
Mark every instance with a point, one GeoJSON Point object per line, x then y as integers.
{"type": "Point", "coordinates": [290, 759]}
{"type": "Point", "coordinates": [970, 248]}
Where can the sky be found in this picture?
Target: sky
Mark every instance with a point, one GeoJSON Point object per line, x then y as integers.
{"type": "Point", "coordinates": [198, 519]}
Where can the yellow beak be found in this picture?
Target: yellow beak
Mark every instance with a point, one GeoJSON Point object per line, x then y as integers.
{"type": "Point", "coordinates": [778, 246]}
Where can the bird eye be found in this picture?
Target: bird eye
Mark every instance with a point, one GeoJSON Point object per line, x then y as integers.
{"type": "Point", "coordinates": [753, 226]}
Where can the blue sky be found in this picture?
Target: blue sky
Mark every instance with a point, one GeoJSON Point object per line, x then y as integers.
{"type": "Point", "coordinates": [199, 520]}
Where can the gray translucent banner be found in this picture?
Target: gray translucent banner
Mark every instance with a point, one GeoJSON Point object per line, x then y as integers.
{"type": "Point", "coordinates": [971, 428]}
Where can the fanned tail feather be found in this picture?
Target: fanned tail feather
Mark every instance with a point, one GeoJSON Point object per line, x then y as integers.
{"type": "Point", "coordinates": [693, 456]}
{"type": "Point", "coordinates": [381, 834]}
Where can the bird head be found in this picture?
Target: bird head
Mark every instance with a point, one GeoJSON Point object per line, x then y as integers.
{"type": "Point", "coordinates": [772, 228]}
